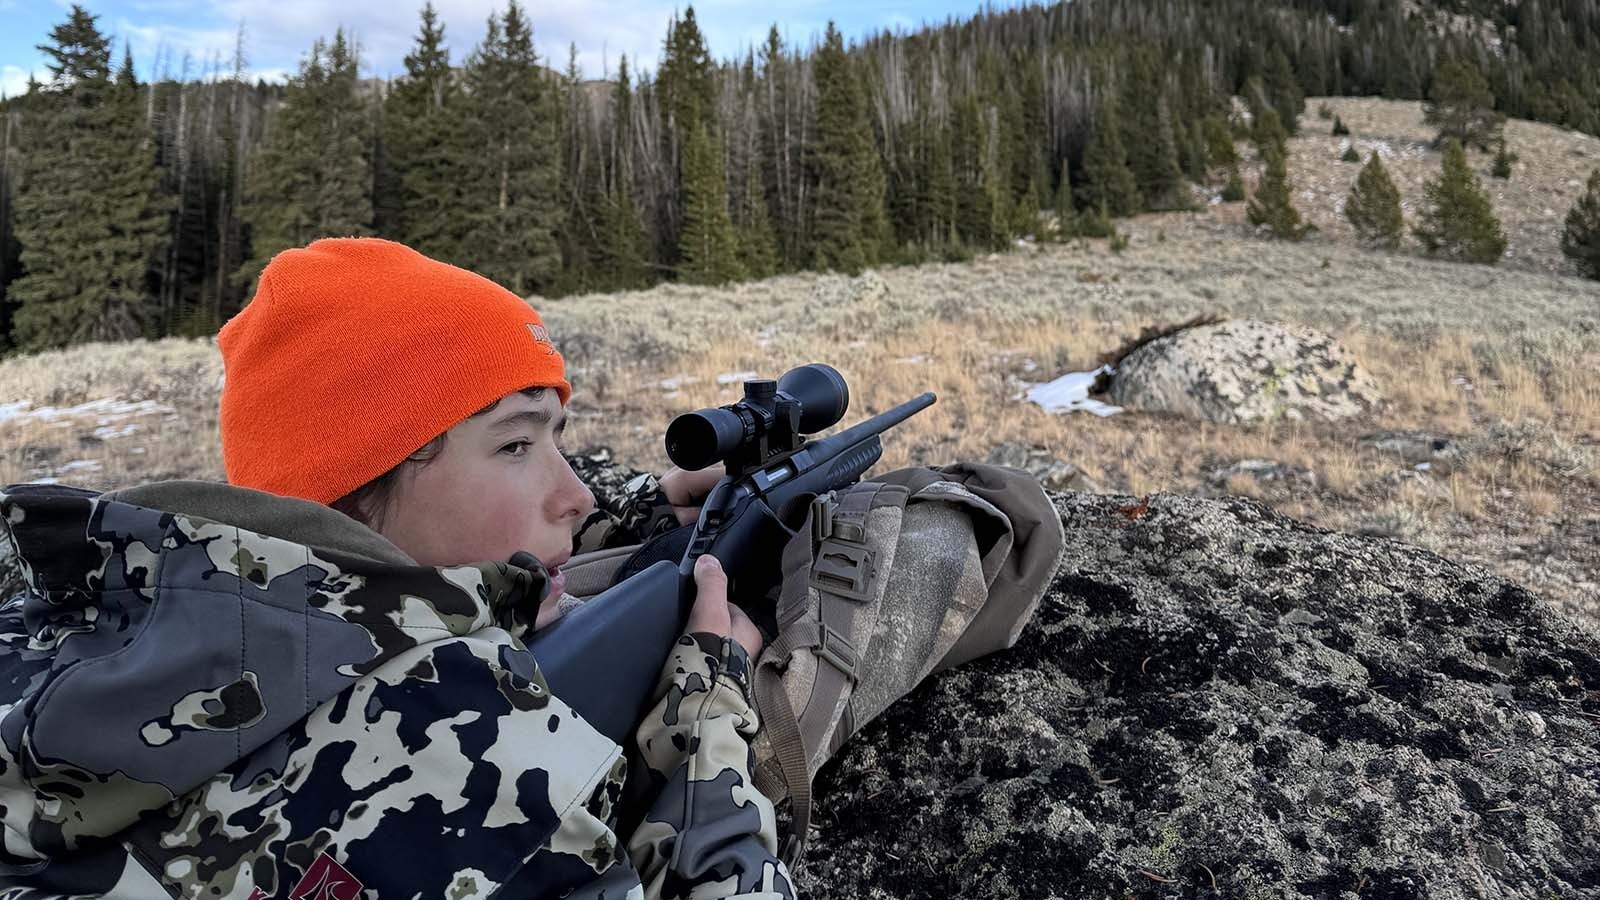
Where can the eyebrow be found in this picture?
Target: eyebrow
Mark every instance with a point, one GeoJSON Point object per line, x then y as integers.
{"type": "Point", "coordinates": [528, 419]}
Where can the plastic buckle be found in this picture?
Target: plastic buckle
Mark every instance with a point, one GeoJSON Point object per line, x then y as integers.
{"type": "Point", "coordinates": [840, 653]}
{"type": "Point", "coordinates": [822, 506]}
{"type": "Point", "coordinates": [842, 568]}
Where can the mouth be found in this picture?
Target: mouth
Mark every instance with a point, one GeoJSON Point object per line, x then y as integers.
{"type": "Point", "coordinates": [558, 578]}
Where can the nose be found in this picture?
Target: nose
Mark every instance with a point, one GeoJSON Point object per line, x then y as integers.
{"type": "Point", "coordinates": [572, 501]}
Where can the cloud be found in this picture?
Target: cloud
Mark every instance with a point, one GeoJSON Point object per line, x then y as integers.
{"type": "Point", "coordinates": [278, 33]}
{"type": "Point", "coordinates": [14, 80]}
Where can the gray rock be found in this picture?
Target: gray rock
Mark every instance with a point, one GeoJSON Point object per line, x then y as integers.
{"type": "Point", "coordinates": [1053, 473]}
{"type": "Point", "coordinates": [1417, 446]}
{"type": "Point", "coordinates": [1245, 371]}
{"type": "Point", "coordinates": [1265, 470]}
{"type": "Point", "coordinates": [1213, 691]}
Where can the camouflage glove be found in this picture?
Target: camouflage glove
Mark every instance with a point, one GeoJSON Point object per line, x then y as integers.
{"type": "Point", "coordinates": [709, 832]}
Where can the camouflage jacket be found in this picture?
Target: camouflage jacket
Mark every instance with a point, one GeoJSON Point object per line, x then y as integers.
{"type": "Point", "coordinates": [190, 708]}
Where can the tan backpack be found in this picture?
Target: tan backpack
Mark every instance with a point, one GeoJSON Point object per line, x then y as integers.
{"type": "Point", "coordinates": [884, 583]}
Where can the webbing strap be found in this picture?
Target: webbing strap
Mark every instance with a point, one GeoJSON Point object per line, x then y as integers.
{"type": "Point", "coordinates": [836, 525]}
{"type": "Point", "coordinates": [783, 731]}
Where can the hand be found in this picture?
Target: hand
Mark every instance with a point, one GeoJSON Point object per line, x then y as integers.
{"type": "Point", "coordinates": [685, 489]}
{"type": "Point", "coordinates": [712, 612]}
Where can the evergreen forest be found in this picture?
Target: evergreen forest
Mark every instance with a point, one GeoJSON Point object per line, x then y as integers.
{"type": "Point", "coordinates": [140, 209]}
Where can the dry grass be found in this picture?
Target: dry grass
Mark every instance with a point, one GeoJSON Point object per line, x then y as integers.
{"type": "Point", "coordinates": [1506, 363]}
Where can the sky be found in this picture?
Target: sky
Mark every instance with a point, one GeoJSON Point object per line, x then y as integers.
{"type": "Point", "coordinates": [278, 33]}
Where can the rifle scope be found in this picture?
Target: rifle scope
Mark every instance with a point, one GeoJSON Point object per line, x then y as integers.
{"type": "Point", "coordinates": [773, 417]}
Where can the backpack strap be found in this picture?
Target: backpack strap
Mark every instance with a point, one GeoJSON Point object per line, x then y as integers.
{"type": "Point", "coordinates": [778, 716]}
{"type": "Point", "coordinates": [831, 551]}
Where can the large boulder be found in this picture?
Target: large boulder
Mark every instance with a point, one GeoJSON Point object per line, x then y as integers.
{"type": "Point", "coordinates": [1215, 700]}
{"type": "Point", "coordinates": [1218, 701]}
{"type": "Point", "coordinates": [1243, 371]}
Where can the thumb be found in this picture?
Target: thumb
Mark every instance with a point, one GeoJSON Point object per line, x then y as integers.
{"type": "Point", "coordinates": [710, 612]}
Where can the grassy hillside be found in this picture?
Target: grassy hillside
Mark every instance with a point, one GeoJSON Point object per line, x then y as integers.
{"type": "Point", "coordinates": [1501, 363]}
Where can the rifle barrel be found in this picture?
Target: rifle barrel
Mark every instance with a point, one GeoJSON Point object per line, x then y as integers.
{"type": "Point", "coordinates": [876, 425]}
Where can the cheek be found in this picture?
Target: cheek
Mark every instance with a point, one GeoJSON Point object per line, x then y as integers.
{"type": "Point", "coordinates": [469, 514]}
{"type": "Point", "coordinates": [500, 518]}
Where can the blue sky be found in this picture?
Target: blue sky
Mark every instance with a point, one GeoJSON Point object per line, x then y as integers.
{"type": "Point", "coordinates": [278, 32]}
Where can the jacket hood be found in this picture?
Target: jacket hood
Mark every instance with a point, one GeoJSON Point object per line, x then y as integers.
{"type": "Point", "coordinates": [144, 650]}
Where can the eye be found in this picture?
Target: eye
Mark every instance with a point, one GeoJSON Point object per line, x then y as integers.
{"type": "Point", "coordinates": [516, 448]}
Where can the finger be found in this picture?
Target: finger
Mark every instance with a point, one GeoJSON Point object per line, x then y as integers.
{"type": "Point", "coordinates": [745, 631]}
{"type": "Point", "coordinates": [708, 576]}
{"type": "Point", "coordinates": [687, 515]}
{"type": "Point", "coordinates": [701, 481]}
{"type": "Point", "coordinates": [710, 612]}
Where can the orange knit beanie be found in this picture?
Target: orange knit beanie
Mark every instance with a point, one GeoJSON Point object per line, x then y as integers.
{"type": "Point", "coordinates": [355, 352]}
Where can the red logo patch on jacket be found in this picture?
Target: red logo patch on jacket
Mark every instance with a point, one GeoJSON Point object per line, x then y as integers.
{"type": "Point", "coordinates": [326, 880]}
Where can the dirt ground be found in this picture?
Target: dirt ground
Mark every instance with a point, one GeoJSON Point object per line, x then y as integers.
{"type": "Point", "coordinates": [1498, 367]}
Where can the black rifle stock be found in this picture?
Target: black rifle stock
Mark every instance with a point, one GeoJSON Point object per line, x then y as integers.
{"type": "Point", "coordinates": [603, 659]}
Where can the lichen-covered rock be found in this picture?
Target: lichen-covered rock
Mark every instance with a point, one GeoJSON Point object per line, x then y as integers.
{"type": "Point", "coordinates": [1217, 701]}
{"type": "Point", "coordinates": [1244, 371]}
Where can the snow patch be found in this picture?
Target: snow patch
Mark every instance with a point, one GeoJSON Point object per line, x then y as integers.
{"type": "Point", "coordinates": [1070, 393]}
{"type": "Point", "coordinates": [106, 411]}
{"type": "Point", "coordinates": [80, 465]}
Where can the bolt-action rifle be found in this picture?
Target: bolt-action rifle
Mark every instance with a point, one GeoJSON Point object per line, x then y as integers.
{"type": "Point", "coordinates": [603, 658]}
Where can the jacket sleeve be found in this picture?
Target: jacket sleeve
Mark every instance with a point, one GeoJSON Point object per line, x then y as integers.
{"type": "Point", "coordinates": [709, 833]}
{"type": "Point", "coordinates": [629, 515]}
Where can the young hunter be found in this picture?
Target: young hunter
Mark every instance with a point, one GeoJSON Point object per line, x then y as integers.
{"type": "Point", "coordinates": [312, 681]}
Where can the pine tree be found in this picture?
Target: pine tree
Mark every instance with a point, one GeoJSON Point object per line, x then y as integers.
{"type": "Point", "coordinates": [1271, 207]}
{"type": "Point", "coordinates": [1282, 89]}
{"type": "Point", "coordinates": [1150, 139]}
{"type": "Point", "coordinates": [90, 219]}
{"type": "Point", "coordinates": [942, 186]}
{"type": "Point", "coordinates": [313, 177]}
{"type": "Point", "coordinates": [10, 251]}
{"type": "Point", "coordinates": [1503, 159]}
{"type": "Point", "coordinates": [511, 195]}
{"type": "Point", "coordinates": [1219, 142]}
{"type": "Point", "coordinates": [1192, 151]}
{"type": "Point", "coordinates": [1373, 207]}
{"type": "Point", "coordinates": [844, 166]}
{"type": "Point", "coordinates": [1580, 240]}
{"type": "Point", "coordinates": [623, 242]}
{"type": "Point", "coordinates": [1339, 129]}
{"type": "Point", "coordinates": [1457, 220]}
{"type": "Point", "coordinates": [1109, 184]}
{"type": "Point", "coordinates": [758, 246]}
{"type": "Point", "coordinates": [1350, 155]}
{"type": "Point", "coordinates": [1066, 214]}
{"type": "Point", "coordinates": [1461, 104]}
{"type": "Point", "coordinates": [1268, 133]}
{"type": "Point", "coordinates": [685, 83]}
{"type": "Point", "coordinates": [1233, 188]}
{"type": "Point", "coordinates": [708, 251]}
{"type": "Point", "coordinates": [582, 186]}
{"type": "Point", "coordinates": [977, 201]}
{"type": "Point", "coordinates": [425, 155]}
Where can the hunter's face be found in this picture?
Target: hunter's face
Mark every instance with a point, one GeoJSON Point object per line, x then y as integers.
{"type": "Point", "coordinates": [499, 486]}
